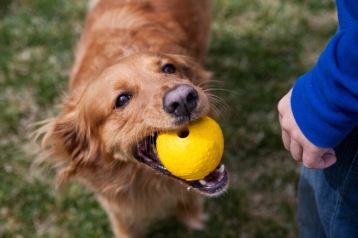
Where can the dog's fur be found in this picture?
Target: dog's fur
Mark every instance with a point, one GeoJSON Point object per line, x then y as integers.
{"type": "Point", "coordinates": [122, 51]}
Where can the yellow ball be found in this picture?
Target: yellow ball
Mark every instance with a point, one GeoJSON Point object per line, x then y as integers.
{"type": "Point", "coordinates": [193, 152]}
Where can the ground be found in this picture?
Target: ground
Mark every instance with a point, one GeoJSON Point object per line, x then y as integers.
{"type": "Point", "coordinates": [258, 49]}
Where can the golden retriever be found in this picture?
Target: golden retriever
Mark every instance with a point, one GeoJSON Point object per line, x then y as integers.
{"type": "Point", "coordinates": [138, 71]}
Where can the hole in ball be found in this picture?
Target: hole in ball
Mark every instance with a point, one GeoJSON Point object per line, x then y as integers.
{"type": "Point", "coordinates": [183, 133]}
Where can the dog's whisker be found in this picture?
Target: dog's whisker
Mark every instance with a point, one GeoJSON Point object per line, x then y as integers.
{"type": "Point", "coordinates": [201, 84]}
{"type": "Point", "coordinates": [218, 101]}
{"type": "Point", "coordinates": [214, 82]}
{"type": "Point", "coordinates": [216, 111]}
{"type": "Point", "coordinates": [221, 104]}
{"type": "Point", "coordinates": [221, 89]}
{"type": "Point", "coordinates": [216, 98]}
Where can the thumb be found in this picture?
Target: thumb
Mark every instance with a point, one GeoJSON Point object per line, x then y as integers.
{"type": "Point", "coordinates": [321, 160]}
{"type": "Point", "coordinates": [329, 158]}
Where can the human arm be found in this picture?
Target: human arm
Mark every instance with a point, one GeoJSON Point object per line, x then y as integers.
{"type": "Point", "coordinates": [323, 106]}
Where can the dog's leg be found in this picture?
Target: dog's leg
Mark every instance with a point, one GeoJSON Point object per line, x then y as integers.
{"type": "Point", "coordinates": [92, 4]}
{"type": "Point", "coordinates": [123, 225]}
{"type": "Point", "coordinates": [190, 211]}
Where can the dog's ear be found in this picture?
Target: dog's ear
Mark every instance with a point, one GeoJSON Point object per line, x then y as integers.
{"type": "Point", "coordinates": [70, 136]}
{"type": "Point", "coordinates": [192, 70]}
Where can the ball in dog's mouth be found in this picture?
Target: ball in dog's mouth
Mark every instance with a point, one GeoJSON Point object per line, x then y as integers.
{"type": "Point", "coordinates": [193, 151]}
{"type": "Point", "coordinates": [213, 184]}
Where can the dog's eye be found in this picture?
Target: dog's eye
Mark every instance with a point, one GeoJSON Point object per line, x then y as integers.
{"type": "Point", "coordinates": [169, 69]}
{"type": "Point", "coordinates": [123, 100]}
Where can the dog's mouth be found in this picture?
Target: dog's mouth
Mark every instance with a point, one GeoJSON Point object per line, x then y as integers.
{"type": "Point", "coordinates": [213, 184]}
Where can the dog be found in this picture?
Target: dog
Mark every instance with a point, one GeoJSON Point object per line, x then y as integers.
{"type": "Point", "coordinates": [138, 71]}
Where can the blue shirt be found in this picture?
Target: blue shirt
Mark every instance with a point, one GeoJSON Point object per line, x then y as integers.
{"type": "Point", "coordinates": [325, 100]}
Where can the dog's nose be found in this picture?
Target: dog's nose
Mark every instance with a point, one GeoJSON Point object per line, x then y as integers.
{"type": "Point", "coordinates": [181, 100]}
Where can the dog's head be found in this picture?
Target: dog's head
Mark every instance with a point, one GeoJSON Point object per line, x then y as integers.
{"type": "Point", "coordinates": [118, 115]}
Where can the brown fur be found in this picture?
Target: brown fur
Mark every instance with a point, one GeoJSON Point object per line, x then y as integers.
{"type": "Point", "coordinates": [123, 49]}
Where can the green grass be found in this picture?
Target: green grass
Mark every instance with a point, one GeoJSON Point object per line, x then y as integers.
{"type": "Point", "coordinates": [258, 49]}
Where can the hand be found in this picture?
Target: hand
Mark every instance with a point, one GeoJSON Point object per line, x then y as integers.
{"type": "Point", "coordinates": [301, 148]}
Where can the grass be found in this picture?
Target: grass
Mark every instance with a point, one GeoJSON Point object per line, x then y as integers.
{"type": "Point", "coordinates": [258, 49]}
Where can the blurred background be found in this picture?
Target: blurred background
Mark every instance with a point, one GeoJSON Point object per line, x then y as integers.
{"type": "Point", "coordinates": [258, 49]}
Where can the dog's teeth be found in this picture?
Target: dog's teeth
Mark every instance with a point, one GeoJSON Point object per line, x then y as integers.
{"type": "Point", "coordinates": [202, 182]}
{"type": "Point", "coordinates": [221, 169]}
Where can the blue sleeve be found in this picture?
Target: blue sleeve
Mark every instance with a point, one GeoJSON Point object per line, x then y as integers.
{"type": "Point", "coordinates": [325, 100]}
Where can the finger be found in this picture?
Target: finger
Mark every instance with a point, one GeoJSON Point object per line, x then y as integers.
{"type": "Point", "coordinates": [328, 160]}
{"type": "Point", "coordinates": [286, 139]}
{"type": "Point", "coordinates": [280, 118]}
{"type": "Point", "coordinates": [296, 150]}
{"type": "Point", "coordinates": [319, 159]}
{"type": "Point", "coordinates": [312, 158]}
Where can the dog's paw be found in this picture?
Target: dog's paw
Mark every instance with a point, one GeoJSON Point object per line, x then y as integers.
{"type": "Point", "coordinates": [197, 223]}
